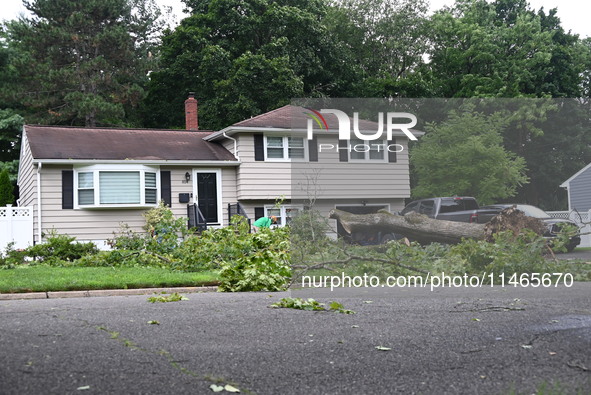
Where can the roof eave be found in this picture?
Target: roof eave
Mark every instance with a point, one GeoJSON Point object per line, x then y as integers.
{"type": "Point", "coordinates": [566, 183]}
{"type": "Point", "coordinates": [219, 163]}
{"type": "Point", "coordinates": [231, 130]}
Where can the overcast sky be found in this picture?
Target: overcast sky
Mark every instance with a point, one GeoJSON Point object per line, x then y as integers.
{"type": "Point", "coordinates": [574, 14]}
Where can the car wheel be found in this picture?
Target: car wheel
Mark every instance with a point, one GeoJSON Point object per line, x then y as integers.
{"type": "Point", "coordinates": [571, 247]}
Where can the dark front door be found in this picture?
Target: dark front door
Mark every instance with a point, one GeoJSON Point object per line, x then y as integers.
{"type": "Point", "coordinates": [207, 196]}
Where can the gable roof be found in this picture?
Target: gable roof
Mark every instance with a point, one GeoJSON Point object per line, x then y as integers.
{"type": "Point", "coordinates": [59, 142]}
{"type": "Point", "coordinates": [280, 118]}
{"type": "Point", "coordinates": [284, 118]}
{"type": "Point", "coordinates": [566, 184]}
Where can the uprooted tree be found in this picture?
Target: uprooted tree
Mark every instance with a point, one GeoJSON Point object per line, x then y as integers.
{"type": "Point", "coordinates": [421, 228]}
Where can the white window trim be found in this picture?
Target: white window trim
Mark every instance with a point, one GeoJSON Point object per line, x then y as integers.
{"type": "Point", "coordinates": [96, 169]}
{"type": "Point", "coordinates": [218, 182]}
{"type": "Point", "coordinates": [286, 157]}
{"type": "Point", "coordinates": [282, 209]}
{"type": "Point", "coordinates": [366, 159]}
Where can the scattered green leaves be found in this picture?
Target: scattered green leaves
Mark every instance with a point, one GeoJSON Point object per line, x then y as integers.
{"type": "Point", "coordinates": [310, 305]}
{"type": "Point", "coordinates": [299, 304]}
{"type": "Point", "coordinates": [338, 307]}
{"type": "Point", "coordinates": [174, 297]}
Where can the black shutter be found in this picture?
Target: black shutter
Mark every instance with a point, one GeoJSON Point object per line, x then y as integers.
{"type": "Point", "coordinates": [259, 148]}
{"type": "Point", "coordinates": [313, 150]}
{"type": "Point", "coordinates": [343, 151]}
{"type": "Point", "coordinates": [259, 212]}
{"type": "Point", "coordinates": [67, 189]}
{"type": "Point", "coordinates": [392, 155]}
{"type": "Point", "coordinates": [165, 190]}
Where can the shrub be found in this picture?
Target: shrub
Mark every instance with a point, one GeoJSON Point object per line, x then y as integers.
{"type": "Point", "coordinates": [10, 258]}
{"type": "Point", "coordinates": [163, 232]}
{"type": "Point", "coordinates": [58, 249]}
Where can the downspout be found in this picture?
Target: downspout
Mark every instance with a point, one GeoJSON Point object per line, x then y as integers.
{"type": "Point", "coordinates": [235, 145]}
{"type": "Point", "coordinates": [39, 222]}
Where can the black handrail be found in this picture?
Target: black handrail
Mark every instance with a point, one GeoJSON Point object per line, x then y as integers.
{"type": "Point", "coordinates": [237, 209]}
{"type": "Point", "coordinates": [196, 217]}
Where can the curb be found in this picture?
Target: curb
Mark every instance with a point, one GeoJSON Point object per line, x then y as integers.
{"type": "Point", "coordinates": [105, 292]}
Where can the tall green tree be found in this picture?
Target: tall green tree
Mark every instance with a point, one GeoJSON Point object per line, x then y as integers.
{"type": "Point", "coordinates": [6, 195]}
{"type": "Point", "coordinates": [11, 121]}
{"type": "Point", "coordinates": [245, 57]}
{"type": "Point", "coordinates": [482, 49]}
{"type": "Point", "coordinates": [388, 41]}
{"type": "Point", "coordinates": [464, 155]}
{"type": "Point", "coordinates": [11, 126]}
{"type": "Point", "coordinates": [505, 49]}
{"type": "Point", "coordinates": [84, 62]}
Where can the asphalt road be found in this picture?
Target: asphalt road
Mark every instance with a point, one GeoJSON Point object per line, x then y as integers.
{"type": "Point", "coordinates": [577, 254]}
{"type": "Point", "coordinates": [446, 341]}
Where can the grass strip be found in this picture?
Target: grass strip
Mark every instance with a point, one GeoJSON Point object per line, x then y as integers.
{"type": "Point", "coordinates": [45, 278]}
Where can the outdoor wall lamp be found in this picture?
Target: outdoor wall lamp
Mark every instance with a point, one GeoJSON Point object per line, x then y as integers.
{"type": "Point", "coordinates": [187, 177]}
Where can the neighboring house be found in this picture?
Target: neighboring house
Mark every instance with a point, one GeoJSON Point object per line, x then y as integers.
{"type": "Point", "coordinates": [86, 182]}
{"type": "Point", "coordinates": [578, 188]}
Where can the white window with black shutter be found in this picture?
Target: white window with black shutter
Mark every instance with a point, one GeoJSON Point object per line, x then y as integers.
{"type": "Point", "coordinates": [368, 150]}
{"type": "Point", "coordinates": [285, 148]}
{"type": "Point", "coordinates": [116, 186]}
{"type": "Point", "coordinates": [280, 148]}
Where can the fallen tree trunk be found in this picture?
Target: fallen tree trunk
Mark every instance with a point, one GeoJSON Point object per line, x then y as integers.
{"type": "Point", "coordinates": [421, 228]}
{"type": "Point", "coordinates": [413, 225]}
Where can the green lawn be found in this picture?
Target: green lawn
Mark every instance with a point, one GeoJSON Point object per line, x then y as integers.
{"type": "Point", "coordinates": [44, 278]}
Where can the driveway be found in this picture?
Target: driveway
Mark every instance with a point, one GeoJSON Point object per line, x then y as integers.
{"type": "Point", "coordinates": [446, 341]}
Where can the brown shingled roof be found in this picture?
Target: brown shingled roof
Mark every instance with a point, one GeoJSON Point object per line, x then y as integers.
{"type": "Point", "coordinates": [278, 118]}
{"type": "Point", "coordinates": [58, 142]}
{"type": "Point", "coordinates": [290, 116]}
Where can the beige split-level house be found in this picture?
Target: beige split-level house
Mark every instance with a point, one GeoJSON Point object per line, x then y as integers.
{"type": "Point", "coordinates": [86, 182]}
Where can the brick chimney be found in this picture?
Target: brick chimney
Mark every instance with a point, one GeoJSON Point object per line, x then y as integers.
{"type": "Point", "coordinates": [191, 120]}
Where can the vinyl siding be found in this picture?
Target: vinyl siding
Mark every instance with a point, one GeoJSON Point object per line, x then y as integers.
{"type": "Point", "coordinates": [258, 179]}
{"type": "Point", "coordinates": [84, 224]}
{"type": "Point", "coordinates": [333, 179]}
{"type": "Point", "coordinates": [580, 191]}
{"type": "Point", "coordinates": [27, 183]}
{"type": "Point", "coordinates": [99, 224]}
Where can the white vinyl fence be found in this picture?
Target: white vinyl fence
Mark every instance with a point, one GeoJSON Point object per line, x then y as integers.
{"type": "Point", "coordinates": [583, 221]}
{"type": "Point", "coordinates": [16, 226]}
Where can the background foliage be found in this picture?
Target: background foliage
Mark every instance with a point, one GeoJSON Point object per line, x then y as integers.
{"type": "Point", "coordinates": [91, 62]}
